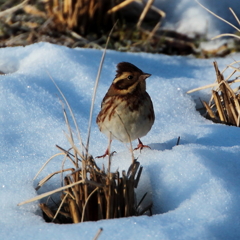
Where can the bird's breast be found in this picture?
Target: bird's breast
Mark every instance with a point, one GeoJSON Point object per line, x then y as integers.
{"type": "Point", "coordinates": [126, 116]}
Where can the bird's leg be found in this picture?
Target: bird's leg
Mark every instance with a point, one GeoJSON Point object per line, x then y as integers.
{"type": "Point", "coordinates": [140, 145]}
{"type": "Point", "coordinates": [107, 152]}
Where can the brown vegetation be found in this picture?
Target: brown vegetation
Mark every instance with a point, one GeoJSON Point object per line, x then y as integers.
{"type": "Point", "coordinates": [85, 23]}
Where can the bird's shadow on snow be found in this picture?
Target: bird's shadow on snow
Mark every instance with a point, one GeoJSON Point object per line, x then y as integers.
{"type": "Point", "coordinates": [219, 135]}
{"type": "Point", "coordinates": [164, 146]}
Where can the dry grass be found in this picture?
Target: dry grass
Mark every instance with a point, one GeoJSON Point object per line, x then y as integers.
{"type": "Point", "coordinates": [88, 14]}
{"type": "Point", "coordinates": [90, 193]}
{"type": "Point", "coordinates": [224, 105]}
{"type": "Point", "coordinates": [222, 19]}
{"type": "Point", "coordinates": [85, 23]}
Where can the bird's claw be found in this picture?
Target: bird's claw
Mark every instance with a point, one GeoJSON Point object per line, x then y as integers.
{"type": "Point", "coordinates": [140, 145]}
{"type": "Point", "coordinates": [106, 154]}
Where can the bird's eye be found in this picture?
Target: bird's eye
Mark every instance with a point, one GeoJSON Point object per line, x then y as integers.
{"type": "Point", "coordinates": [130, 77]}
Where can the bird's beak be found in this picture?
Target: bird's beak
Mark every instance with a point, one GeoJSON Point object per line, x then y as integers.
{"type": "Point", "coordinates": [144, 76]}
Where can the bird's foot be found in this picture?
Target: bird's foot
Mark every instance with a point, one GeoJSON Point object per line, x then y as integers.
{"type": "Point", "coordinates": [140, 145]}
{"type": "Point", "coordinates": [106, 154]}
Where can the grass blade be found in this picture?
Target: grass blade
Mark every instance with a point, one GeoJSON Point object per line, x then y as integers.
{"type": "Point", "coordinates": [95, 89]}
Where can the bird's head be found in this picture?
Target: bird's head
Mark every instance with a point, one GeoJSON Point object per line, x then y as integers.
{"type": "Point", "coordinates": [128, 79]}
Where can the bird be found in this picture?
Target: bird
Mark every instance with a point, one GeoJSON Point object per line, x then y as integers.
{"type": "Point", "coordinates": [127, 111]}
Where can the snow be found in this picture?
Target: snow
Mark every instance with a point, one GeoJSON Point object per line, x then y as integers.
{"type": "Point", "coordinates": [194, 186]}
{"type": "Point", "coordinates": [187, 17]}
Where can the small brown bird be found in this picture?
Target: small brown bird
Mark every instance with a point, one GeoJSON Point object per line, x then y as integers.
{"type": "Point", "coordinates": [126, 110]}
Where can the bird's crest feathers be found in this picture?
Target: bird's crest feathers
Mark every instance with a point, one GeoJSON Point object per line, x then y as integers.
{"type": "Point", "coordinates": [126, 67]}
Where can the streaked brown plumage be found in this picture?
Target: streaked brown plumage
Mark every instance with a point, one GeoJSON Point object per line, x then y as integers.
{"type": "Point", "coordinates": [127, 110]}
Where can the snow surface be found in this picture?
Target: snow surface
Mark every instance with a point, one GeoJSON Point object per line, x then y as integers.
{"type": "Point", "coordinates": [187, 17]}
{"type": "Point", "coordinates": [194, 186]}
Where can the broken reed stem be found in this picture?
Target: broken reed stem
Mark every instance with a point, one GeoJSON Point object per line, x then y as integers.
{"type": "Point", "coordinates": [120, 6]}
{"type": "Point", "coordinates": [68, 154]}
{"type": "Point", "coordinates": [83, 212]}
{"type": "Point", "coordinates": [60, 206]}
{"type": "Point", "coordinates": [74, 211]}
{"type": "Point", "coordinates": [48, 212]}
{"type": "Point", "coordinates": [209, 110]}
{"type": "Point", "coordinates": [44, 165]}
{"type": "Point", "coordinates": [211, 85]}
{"type": "Point", "coordinates": [98, 234]}
{"type": "Point", "coordinates": [44, 180]}
{"type": "Point", "coordinates": [219, 106]}
{"type": "Point", "coordinates": [59, 190]}
{"type": "Point", "coordinates": [144, 12]}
